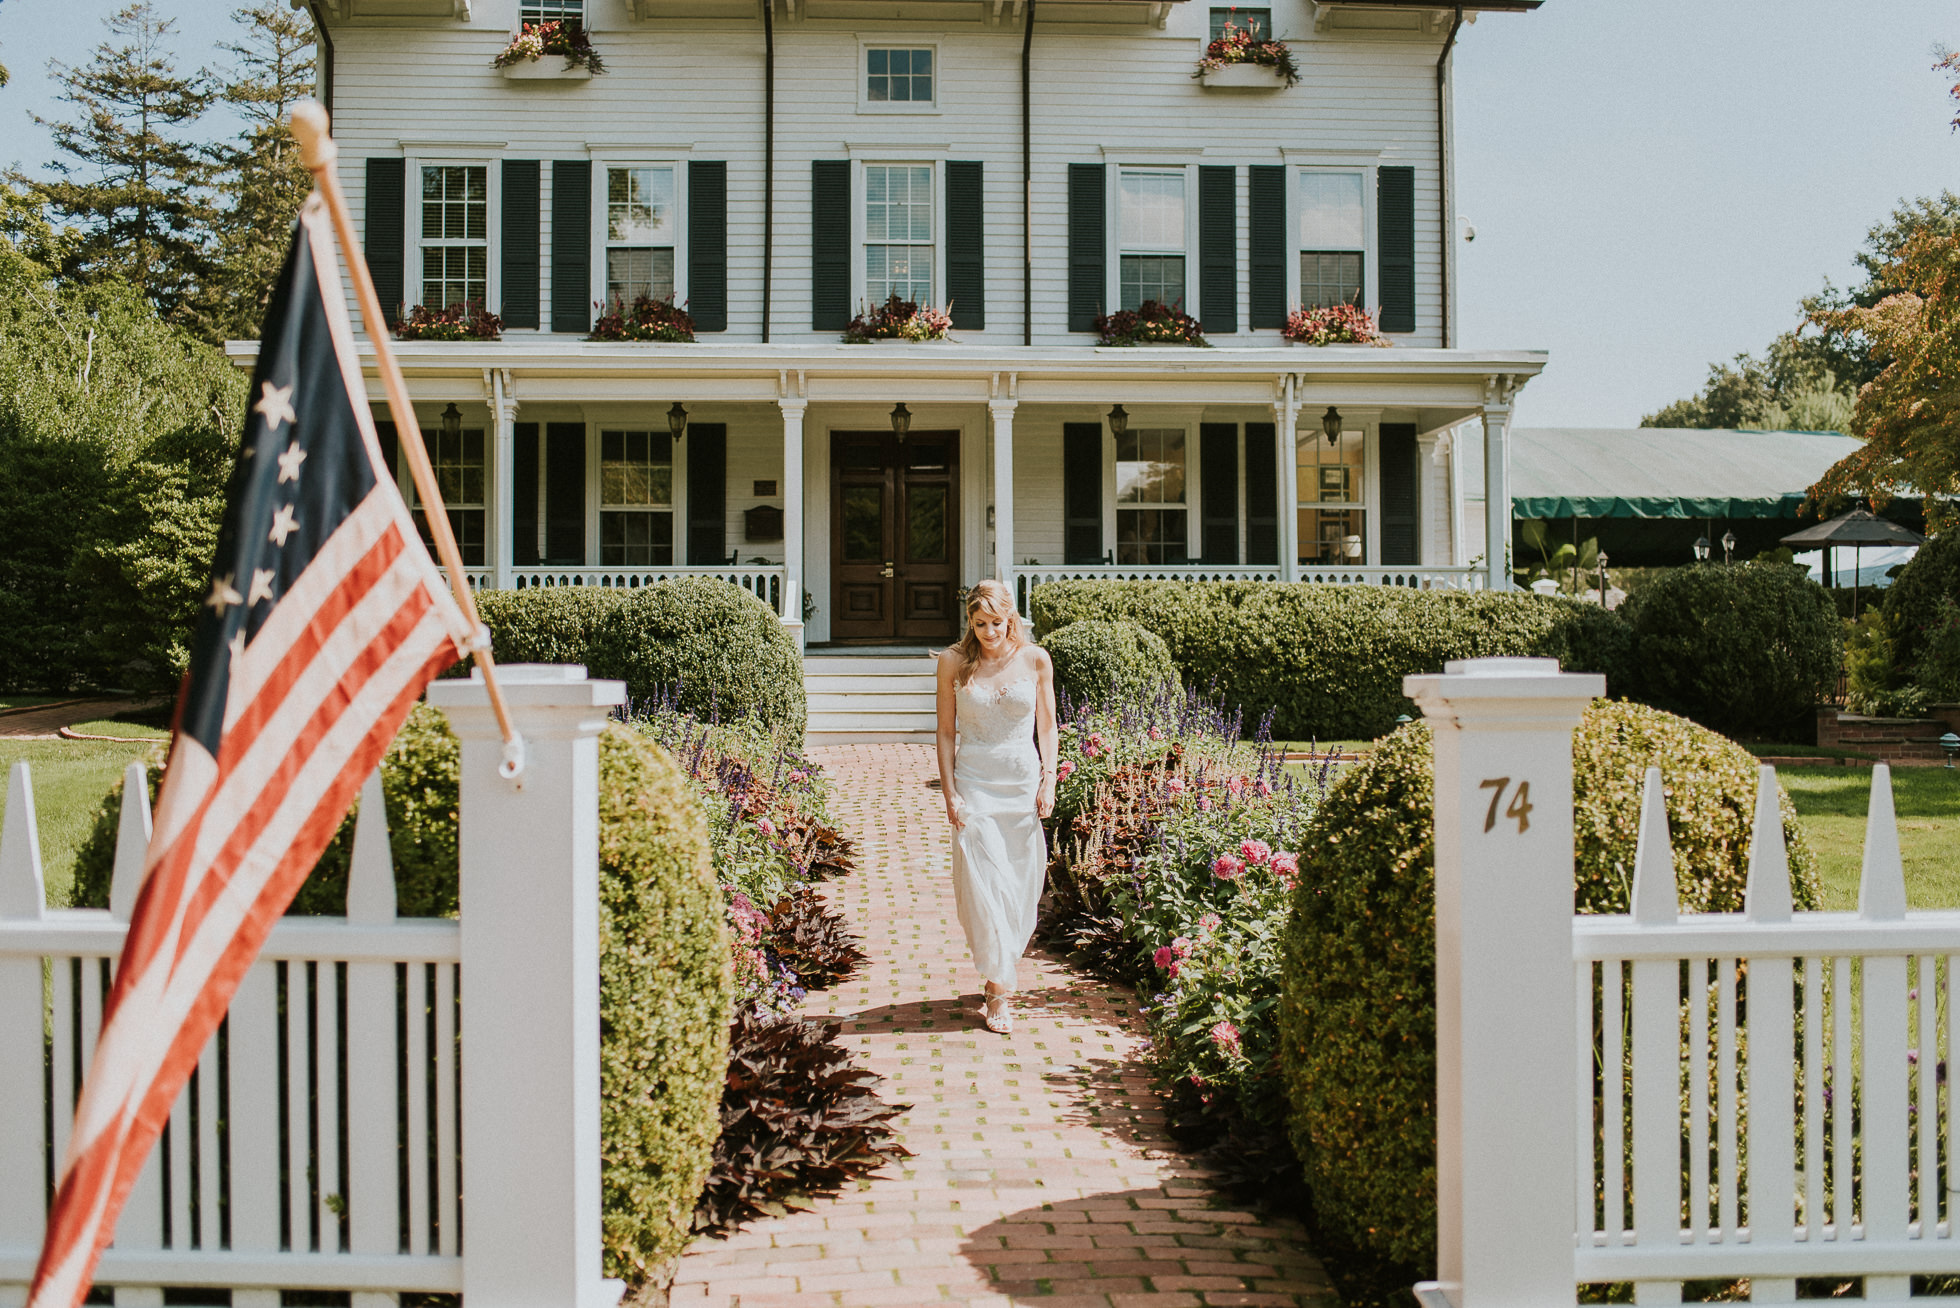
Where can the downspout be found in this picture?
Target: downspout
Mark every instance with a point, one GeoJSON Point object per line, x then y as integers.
{"type": "Point", "coordinates": [321, 35]}
{"type": "Point", "coordinates": [1027, 182]}
{"type": "Point", "coordinates": [768, 155]}
{"type": "Point", "coordinates": [1443, 161]}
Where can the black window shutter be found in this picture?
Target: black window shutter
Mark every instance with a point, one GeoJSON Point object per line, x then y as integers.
{"type": "Point", "coordinates": [830, 244]}
{"type": "Point", "coordinates": [524, 494]}
{"type": "Point", "coordinates": [520, 243]}
{"type": "Point", "coordinates": [707, 244]}
{"type": "Point", "coordinates": [1266, 235]}
{"type": "Point", "coordinates": [383, 239]}
{"type": "Point", "coordinates": [1082, 492]}
{"type": "Point", "coordinates": [1218, 465]}
{"type": "Point", "coordinates": [564, 494]}
{"type": "Point", "coordinates": [1088, 237]}
{"type": "Point", "coordinates": [1218, 252]}
{"type": "Point", "coordinates": [707, 494]}
{"type": "Point", "coordinates": [1401, 530]}
{"type": "Point", "coordinates": [966, 261]}
{"type": "Point", "coordinates": [1395, 217]}
{"type": "Point", "coordinates": [571, 245]}
{"type": "Point", "coordinates": [1261, 494]}
{"type": "Point", "coordinates": [384, 433]}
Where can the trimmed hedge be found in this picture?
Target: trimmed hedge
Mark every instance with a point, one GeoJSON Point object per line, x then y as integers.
{"type": "Point", "coordinates": [1748, 650]}
{"type": "Point", "coordinates": [665, 978]}
{"type": "Point", "coordinates": [1357, 1013]}
{"type": "Point", "coordinates": [1912, 601]}
{"type": "Point", "coordinates": [709, 646]}
{"type": "Point", "coordinates": [1328, 661]}
{"type": "Point", "coordinates": [1097, 661]}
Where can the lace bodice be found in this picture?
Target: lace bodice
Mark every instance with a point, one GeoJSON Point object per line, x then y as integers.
{"type": "Point", "coordinates": [990, 718]}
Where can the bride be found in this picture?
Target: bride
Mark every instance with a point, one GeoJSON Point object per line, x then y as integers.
{"type": "Point", "coordinates": [998, 693]}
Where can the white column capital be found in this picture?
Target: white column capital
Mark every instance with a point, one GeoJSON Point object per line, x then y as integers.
{"type": "Point", "coordinates": [1003, 410]}
{"type": "Point", "coordinates": [794, 405]}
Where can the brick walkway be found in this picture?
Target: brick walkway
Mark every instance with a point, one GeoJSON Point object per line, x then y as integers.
{"type": "Point", "coordinates": [1043, 1174]}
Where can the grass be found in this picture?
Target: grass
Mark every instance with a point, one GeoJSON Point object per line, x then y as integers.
{"type": "Point", "coordinates": [119, 727]}
{"type": "Point", "coordinates": [28, 701]}
{"type": "Point", "coordinates": [70, 779]}
{"type": "Point", "coordinates": [1832, 802]}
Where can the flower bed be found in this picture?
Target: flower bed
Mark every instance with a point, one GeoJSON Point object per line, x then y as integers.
{"type": "Point", "coordinates": [646, 319]}
{"type": "Point", "coordinates": [899, 320]}
{"type": "Point", "coordinates": [536, 40]}
{"type": "Point", "coordinates": [1238, 45]}
{"type": "Point", "coordinates": [468, 321]}
{"type": "Point", "coordinates": [1151, 323]}
{"type": "Point", "coordinates": [1337, 324]}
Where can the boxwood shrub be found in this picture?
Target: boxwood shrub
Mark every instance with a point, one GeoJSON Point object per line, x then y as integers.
{"type": "Point", "coordinates": [1328, 661]}
{"type": "Point", "coordinates": [1912, 602]}
{"type": "Point", "coordinates": [1097, 661]}
{"type": "Point", "coordinates": [710, 646]}
{"type": "Point", "coordinates": [1357, 1015]}
{"type": "Point", "coordinates": [664, 970]}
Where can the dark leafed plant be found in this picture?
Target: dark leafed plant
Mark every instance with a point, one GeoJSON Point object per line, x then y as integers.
{"type": "Point", "coordinates": [645, 319]}
{"type": "Point", "coordinates": [828, 853]}
{"type": "Point", "coordinates": [812, 940]}
{"type": "Point", "coordinates": [798, 1120]}
{"type": "Point", "coordinates": [899, 320]}
{"type": "Point", "coordinates": [1151, 323]}
{"type": "Point", "coordinates": [467, 321]}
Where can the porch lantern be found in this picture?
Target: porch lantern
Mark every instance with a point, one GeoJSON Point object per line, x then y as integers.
{"type": "Point", "coordinates": [901, 419]}
{"type": "Point", "coordinates": [1330, 423]}
{"type": "Point", "coordinates": [1119, 420]}
{"type": "Point", "coordinates": [452, 422]}
{"type": "Point", "coordinates": [1701, 549]}
{"type": "Point", "coordinates": [1728, 547]}
{"type": "Point", "coordinates": [677, 420]}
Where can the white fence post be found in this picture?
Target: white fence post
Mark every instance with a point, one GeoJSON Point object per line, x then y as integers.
{"type": "Point", "coordinates": [530, 951]}
{"type": "Point", "coordinates": [23, 897]}
{"type": "Point", "coordinates": [1505, 1015]}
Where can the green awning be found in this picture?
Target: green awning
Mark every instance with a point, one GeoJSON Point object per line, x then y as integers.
{"type": "Point", "coordinates": [1666, 472]}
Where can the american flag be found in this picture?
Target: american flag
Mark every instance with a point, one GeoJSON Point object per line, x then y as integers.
{"type": "Point", "coordinates": [324, 620]}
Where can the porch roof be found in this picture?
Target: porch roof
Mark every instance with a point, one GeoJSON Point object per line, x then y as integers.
{"type": "Point", "coordinates": [552, 367]}
{"type": "Point", "coordinates": [1664, 472]}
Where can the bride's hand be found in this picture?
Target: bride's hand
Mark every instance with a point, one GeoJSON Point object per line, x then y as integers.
{"type": "Point", "coordinates": [1044, 801]}
{"type": "Point", "coordinates": [956, 812]}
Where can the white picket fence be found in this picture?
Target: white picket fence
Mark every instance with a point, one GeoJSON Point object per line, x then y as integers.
{"type": "Point", "coordinates": [319, 1144]}
{"type": "Point", "coordinates": [1660, 1097]}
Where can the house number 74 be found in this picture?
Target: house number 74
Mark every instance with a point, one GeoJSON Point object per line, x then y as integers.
{"type": "Point", "coordinates": [1519, 808]}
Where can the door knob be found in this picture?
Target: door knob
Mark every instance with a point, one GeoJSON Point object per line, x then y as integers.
{"type": "Point", "coordinates": [888, 571]}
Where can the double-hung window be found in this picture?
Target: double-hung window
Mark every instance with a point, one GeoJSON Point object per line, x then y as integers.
{"type": "Point", "coordinates": [1333, 516]}
{"type": "Point", "coordinates": [640, 226]}
{"type": "Point", "coordinates": [636, 499]}
{"type": "Point", "coordinates": [1150, 496]}
{"type": "Point", "coordinates": [1151, 228]}
{"type": "Point", "coordinates": [898, 233]}
{"type": "Point", "coordinates": [455, 238]}
{"type": "Point", "coordinates": [458, 460]}
{"type": "Point", "coordinates": [1333, 237]}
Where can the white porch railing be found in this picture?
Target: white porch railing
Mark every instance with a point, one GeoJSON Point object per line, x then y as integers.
{"type": "Point", "coordinates": [292, 1160]}
{"type": "Point", "coordinates": [1027, 577]}
{"type": "Point", "coordinates": [1756, 1095]}
{"type": "Point", "coordinates": [764, 581]}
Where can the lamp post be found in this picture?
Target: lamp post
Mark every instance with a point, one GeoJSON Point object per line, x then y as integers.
{"type": "Point", "coordinates": [1701, 549]}
{"type": "Point", "coordinates": [1728, 547]}
{"type": "Point", "coordinates": [1602, 579]}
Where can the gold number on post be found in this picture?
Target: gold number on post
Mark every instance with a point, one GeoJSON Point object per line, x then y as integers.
{"type": "Point", "coordinates": [1495, 785]}
{"type": "Point", "coordinates": [1520, 806]}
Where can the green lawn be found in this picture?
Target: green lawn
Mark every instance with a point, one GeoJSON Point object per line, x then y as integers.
{"type": "Point", "coordinates": [118, 727]}
{"type": "Point", "coordinates": [1832, 803]}
{"type": "Point", "coordinates": [28, 701]}
{"type": "Point", "coordinates": [70, 778]}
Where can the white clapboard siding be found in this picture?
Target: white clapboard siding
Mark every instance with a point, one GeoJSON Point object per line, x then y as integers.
{"type": "Point", "coordinates": [209, 1208]}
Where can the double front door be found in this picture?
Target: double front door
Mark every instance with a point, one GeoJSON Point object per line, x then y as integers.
{"type": "Point", "coordinates": [894, 536]}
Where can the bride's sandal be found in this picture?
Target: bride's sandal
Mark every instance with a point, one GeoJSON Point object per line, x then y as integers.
{"type": "Point", "coordinates": [997, 1015]}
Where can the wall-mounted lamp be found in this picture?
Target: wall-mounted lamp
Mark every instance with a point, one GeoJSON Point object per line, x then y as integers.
{"type": "Point", "coordinates": [1119, 420]}
{"type": "Point", "coordinates": [677, 420]}
{"type": "Point", "coordinates": [1330, 423]}
{"type": "Point", "coordinates": [901, 419]}
{"type": "Point", "coordinates": [452, 422]}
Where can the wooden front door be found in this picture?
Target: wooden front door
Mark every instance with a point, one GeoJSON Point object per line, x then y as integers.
{"type": "Point", "coordinates": [894, 536]}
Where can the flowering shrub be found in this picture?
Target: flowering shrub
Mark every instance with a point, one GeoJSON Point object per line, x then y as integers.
{"type": "Point", "coordinates": [1238, 45]}
{"type": "Point", "coordinates": [1337, 324]}
{"type": "Point", "coordinates": [899, 320]}
{"type": "Point", "coordinates": [536, 40]}
{"type": "Point", "coordinates": [1151, 323]}
{"type": "Point", "coordinates": [646, 319]}
{"type": "Point", "coordinates": [468, 321]}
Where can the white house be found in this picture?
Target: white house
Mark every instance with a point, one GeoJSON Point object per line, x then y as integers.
{"type": "Point", "coordinates": [1031, 164]}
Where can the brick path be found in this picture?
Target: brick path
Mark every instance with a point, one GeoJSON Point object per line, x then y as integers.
{"type": "Point", "coordinates": [1042, 1172]}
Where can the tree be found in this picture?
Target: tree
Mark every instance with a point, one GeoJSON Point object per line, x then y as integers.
{"type": "Point", "coordinates": [262, 180]}
{"type": "Point", "coordinates": [133, 181]}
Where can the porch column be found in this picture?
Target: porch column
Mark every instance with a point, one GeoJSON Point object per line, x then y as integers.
{"type": "Point", "coordinates": [1003, 415]}
{"type": "Point", "coordinates": [1286, 416]}
{"type": "Point", "coordinates": [1497, 481]}
{"type": "Point", "coordinates": [503, 415]}
{"type": "Point", "coordinates": [793, 408]}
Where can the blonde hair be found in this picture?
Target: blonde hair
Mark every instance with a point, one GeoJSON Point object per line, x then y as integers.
{"type": "Point", "coordinates": [996, 601]}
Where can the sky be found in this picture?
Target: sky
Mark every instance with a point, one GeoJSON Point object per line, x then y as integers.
{"type": "Point", "coordinates": [1654, 184]}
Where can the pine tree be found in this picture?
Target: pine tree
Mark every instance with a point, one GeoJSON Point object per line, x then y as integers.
{"type": "Point", "coordinates": [261, 179]}
{"type": "Point", "coordinates": [133, 183]}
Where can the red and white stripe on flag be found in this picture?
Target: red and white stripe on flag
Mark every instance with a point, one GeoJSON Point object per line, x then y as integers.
{"type": "Point", "coordinates": [317, 671]}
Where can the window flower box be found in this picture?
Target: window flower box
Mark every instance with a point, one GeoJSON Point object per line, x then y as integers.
{"type": "Point", "coordinates": [899, 320]}
{"type": "Point", "coordinates": [553, 51]}
{"type": "Point", "coordinates": [545, 70]}
{"type": "Point", "coordinates": [1151, 323]}
{"type": "Point", "coordinates": [1239, 60]}
{"type": "Point", "coordinates": [1242, 77]}
{"type": "Point", "coordinates": [1337, 324]}
{"type": "Point", "coordinates": [645, 319]}
{"type": "Point", "coordinates": [468, 321]}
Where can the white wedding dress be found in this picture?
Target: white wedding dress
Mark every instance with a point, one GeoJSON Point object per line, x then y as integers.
{"type": "Point", "coordinates": [1000, 857]}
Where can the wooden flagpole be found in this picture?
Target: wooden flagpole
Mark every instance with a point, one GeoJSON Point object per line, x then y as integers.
{"type": "Point", "coordinates": [318, 150]}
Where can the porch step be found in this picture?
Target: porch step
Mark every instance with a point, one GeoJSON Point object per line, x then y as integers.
{"type": "Point", "coordinates": [860, 699]}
